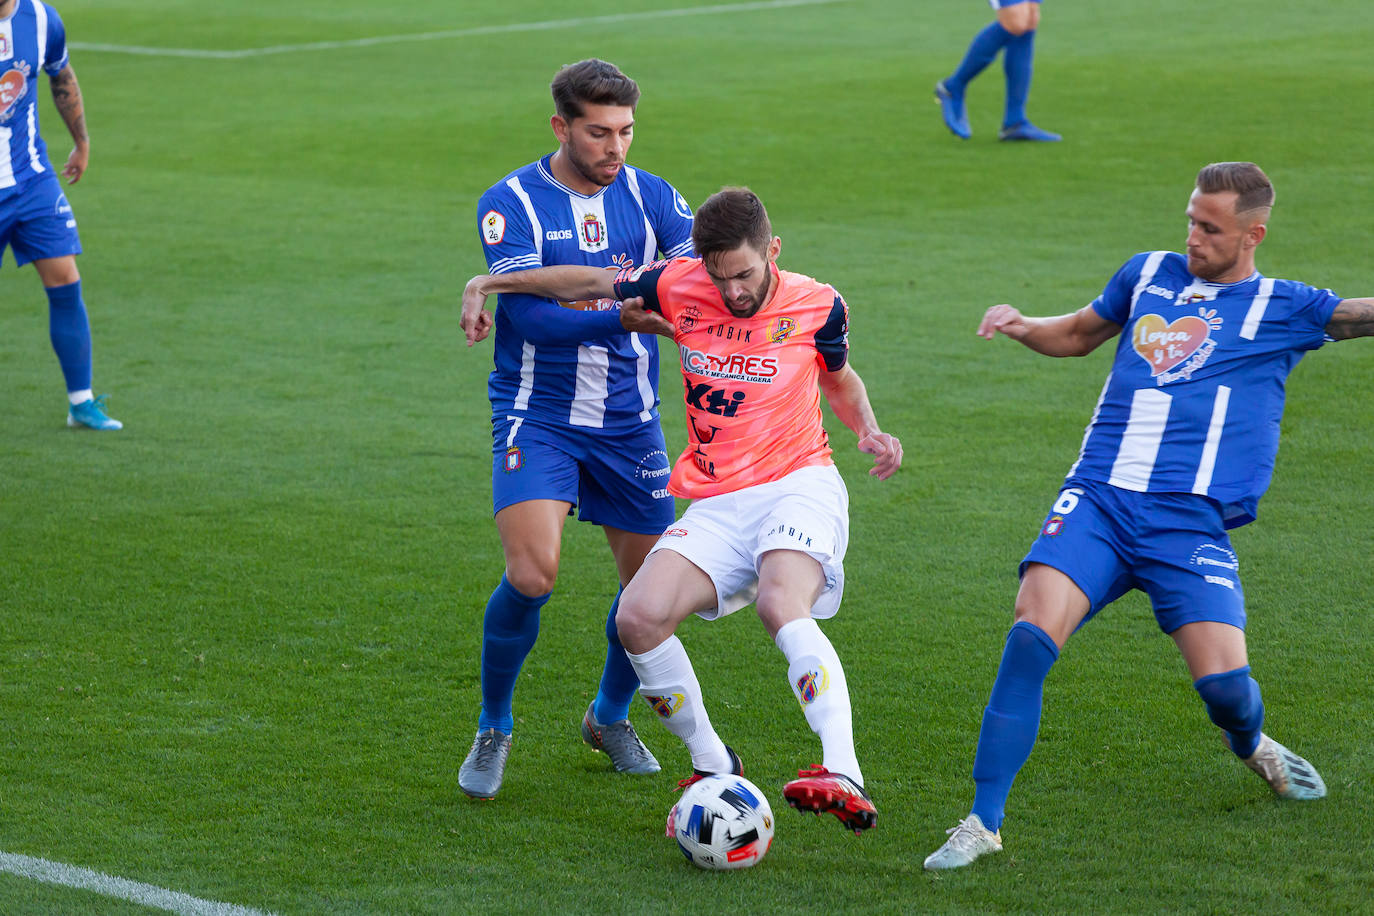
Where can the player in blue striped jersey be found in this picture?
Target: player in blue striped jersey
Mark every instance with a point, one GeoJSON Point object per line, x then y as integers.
{"type": "Point", "coordinates": [574, 398]}
{"type": "Point", "coordinates": [1180, 449]}
{"type": "Point", "coordinates": [36, 221]}
{"type": "Point", "coordinates": [1013, 33]}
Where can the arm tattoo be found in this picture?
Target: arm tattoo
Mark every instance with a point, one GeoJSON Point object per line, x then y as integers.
{"type": "Point", "coordinates": [66, 96]}
{"type": "Point", "coordinates": [1352, 318]}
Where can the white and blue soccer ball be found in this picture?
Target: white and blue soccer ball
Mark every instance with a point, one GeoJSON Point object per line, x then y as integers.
{"type": "Point", "coordinates": [722, 822]}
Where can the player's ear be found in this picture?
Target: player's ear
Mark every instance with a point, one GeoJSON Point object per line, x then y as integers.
{"type": "Point", "coordinates": [561, 129]}
{"type": "Point", "coordinates": [774, 247]}
{"type": "Point", "coordinates": [1256, 233]}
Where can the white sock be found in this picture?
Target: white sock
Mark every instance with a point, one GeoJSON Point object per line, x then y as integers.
{"type": "Point", "coordinates": [79, 397]}
{"type": "Point", "coordinates": [668, 683]}
{"type": "Point", "coordinates": [817, 679]}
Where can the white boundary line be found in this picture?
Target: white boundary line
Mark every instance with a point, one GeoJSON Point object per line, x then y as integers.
{"type": "Point", "coordinates": [452, 33]}
{"type": "Point", "coordinates": [122, 888]}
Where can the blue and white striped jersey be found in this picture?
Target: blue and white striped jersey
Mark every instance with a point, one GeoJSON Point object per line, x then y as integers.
{"type": "Point", "coordinates": [597, 376]}
{"type": "Point", "coordinates": [31, 39]}
{"type": "Point", "coordinates": [1193, 401]}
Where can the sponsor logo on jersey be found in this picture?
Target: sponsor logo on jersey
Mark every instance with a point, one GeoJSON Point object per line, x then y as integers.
{"type": "Point", "coordinates": [812, 684]}
{"type": "Point", "coordinates": [735, 366]}
{"type": "Point", "coordinates": [781, 329]}
{"type": "Point", "coordinates": [13, 85]}
{"type": "Point", "coordinates": [1160, 291]}
{"type": "Point", "coordinates": [1053, 526]}
{"type": "Point", "coordinates": [661, 494]}
{"type": "Point", "coordinates": [703, 437]}
{"type": "Point", "coordinates": [714, 400]}
{"type": "Point", "coordinates": [681, 207]}
{"type": "Point", "coordinates": [675, 533]}
{"type": "Point", "coordinates": [493, 228]}
{"type": "Point", "coordinates": [515, 459]}
{"type": "Point", "coordinates": [730, 332]}
{"type": "Point", "coordinates": [558, 235]}
{"type": "Point", "coordinates": [1175, 349]}
{"type": "Point", "coordinates": [665, 706]}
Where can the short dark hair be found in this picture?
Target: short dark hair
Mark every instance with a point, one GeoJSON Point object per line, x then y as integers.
{"type": "Point", "coordinates": [1253, 189]}
{"type": "Point", "coordinates": [729, 218]}
{"type": "Point", "coordinates": [591, 82]}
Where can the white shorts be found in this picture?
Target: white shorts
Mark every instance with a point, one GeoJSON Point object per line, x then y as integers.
{"type": "Point", "coordinates": [726, 535]}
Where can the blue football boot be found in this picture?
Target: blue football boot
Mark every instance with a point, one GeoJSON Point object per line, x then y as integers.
{"type": "Point", "coordinates": [952, 108]}
{"type": "Point", "coordinates": [91, 415]}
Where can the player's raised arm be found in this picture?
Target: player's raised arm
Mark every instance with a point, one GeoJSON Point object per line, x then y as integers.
{"type": "Point", "coordinates": [1075, 334]}
{"type": "Point", "coordinates": [1352, 318]}
{"type": "Point", "coordinates": [848, 397]}
{"type": "Point", "coordinates": [565, 282]}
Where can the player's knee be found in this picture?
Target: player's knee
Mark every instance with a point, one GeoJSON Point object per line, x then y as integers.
{"type": "Point", "coordinates": [1019, 19]}
{"type": "Point", "coordinates": [530, 577]}
{"type": "Point", "coordinates": [1232, 699]}
{"type": "Point", "coordinates": [640, 622]}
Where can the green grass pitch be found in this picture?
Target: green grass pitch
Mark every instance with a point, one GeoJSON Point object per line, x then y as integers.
{"type": "Point", "coordinates": [239, 639]}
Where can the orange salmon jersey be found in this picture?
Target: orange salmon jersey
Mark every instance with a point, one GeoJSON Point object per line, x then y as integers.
{"type": "Point", "coordinates": [752, 392]}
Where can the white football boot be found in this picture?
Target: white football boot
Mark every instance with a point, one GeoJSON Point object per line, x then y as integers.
{"type": "Point", "coordinates": [966, 842]}
{"type": "Point", "coordinates": [1287, 774]}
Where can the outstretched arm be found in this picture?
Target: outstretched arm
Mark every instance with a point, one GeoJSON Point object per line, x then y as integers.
{"type": "Point", "coordinates": [847, 396]}
{"type": "Point", "coordinates": [1352, 318]}
{"type": "Point", "coordinates": [1075, 334]}
{"type": "Point", "coordinates": [570, 282]}
{"type": "Point", "coordinates": [66, 95]}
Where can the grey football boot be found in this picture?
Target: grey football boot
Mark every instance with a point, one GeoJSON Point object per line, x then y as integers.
{"type": "Point", "coordinates": [618, 741]}
{"type": "Point", "coordinates": [485, 766]}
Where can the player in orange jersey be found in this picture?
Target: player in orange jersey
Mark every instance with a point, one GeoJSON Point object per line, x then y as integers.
{"type": "Point", "coordinates": [769, 521]}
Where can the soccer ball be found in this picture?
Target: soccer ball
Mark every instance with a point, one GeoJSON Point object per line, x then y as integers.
{"type": "Point", "coordinates": [722, 822]}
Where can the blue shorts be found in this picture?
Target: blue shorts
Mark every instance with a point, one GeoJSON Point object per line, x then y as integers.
{"type": "Point", "coordinates": [37, 222]}
{"type": "Point", "coordinates": [616, 478]}
{"type": "Point", "coordinates": [1172, 546]}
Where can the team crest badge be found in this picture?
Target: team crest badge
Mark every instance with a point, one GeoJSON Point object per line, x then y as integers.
{"type": "Point", "coordinates": [1053, 526]}
{"type": "Point", "coordinates": [4, 45]}
{"type": "Point", "coordinates": [515, 459]}
{"type": "Point", "coordinates": [812, 684]}
{"type": "Point", "coordinates": [493, 228]}
{"type": "Point", "coordinates": [593, 231]}
{"type": "Point", "coordinates": [665, 706]}
{"type": "Point", "coordinates": [687, 321]}
{"type": "Point", "coordinates": [781, 329]}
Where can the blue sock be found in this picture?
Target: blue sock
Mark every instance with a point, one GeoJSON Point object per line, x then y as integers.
{"type": "Point", "coordinates": [980, 53]}
{"type": "Point", "coordinates": [1017, 65]}
{"type": "Point", "coordinates": [70, 333]}
{"type": "Point", "coordinates": [509, 630]}
{"type": "Point", "coordinates": [1234, 704]}
{"type": "Point", "coordinates": [619, 683]}
{"type": "Point", "coordinates": [1011, 719]}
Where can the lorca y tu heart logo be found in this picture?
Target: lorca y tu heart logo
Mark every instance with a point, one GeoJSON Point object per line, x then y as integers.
{"type": "Point", "coordinates": [1163, 345]}
{"type": "Point", "coordinates": [11, 90]}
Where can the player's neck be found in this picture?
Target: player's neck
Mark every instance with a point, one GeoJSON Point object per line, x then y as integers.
{"type": "Point", "coordinates": [7, 7]}
{"type": "Point", "coordinates": [773, 280]}
{"type": "Point", "coordinates": [1244, 269]}
{"type": "Point", "coordinates": [570, 177]}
